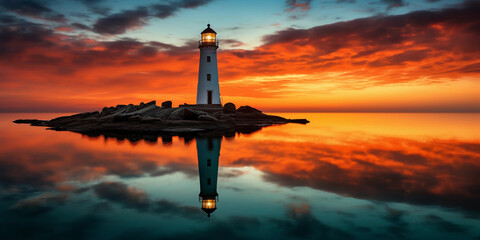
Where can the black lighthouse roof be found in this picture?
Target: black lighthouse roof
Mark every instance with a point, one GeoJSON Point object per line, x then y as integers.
{"type": "Point", "coordinates": [208, 30]}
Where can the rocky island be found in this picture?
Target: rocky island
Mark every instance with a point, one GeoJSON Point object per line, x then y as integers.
{"type": "Point", "coordinates": [148, 119]}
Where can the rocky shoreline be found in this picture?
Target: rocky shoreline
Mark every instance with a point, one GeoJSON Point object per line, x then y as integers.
{"type": "Point", "coordinates": [149, 119]}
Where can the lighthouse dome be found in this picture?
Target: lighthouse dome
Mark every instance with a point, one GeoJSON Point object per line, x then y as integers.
{"type": "Point", "coordinates": [208, 30]}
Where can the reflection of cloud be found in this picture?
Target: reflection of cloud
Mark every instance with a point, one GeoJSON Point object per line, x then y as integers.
{"type": "Point", "coordinates": [435, 172]}
{"type": "Point", "coordinates": [82, 228]}
{"type": "Point", "coordinates": [120, 193]}
{"type": "Point", "coordinates": [443, 225]}
{"type": "Point", "coordinates": [129, 197]}
{"type": "Point", "coordinates": [38, 205]}
{"type": "Point", "coordinates": [399, 226]}
{"type": "Point", "coordinates": [174, 209]}
{"type": "Point", "coordinates": [119, 23]}
{"type": "Point", "coordinates": [302, 224]}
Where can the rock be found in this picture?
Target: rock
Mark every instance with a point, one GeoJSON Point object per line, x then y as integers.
{"type": "Point", "coordinates": [189, 114]}
{"type": "Point", "coordinates": [167, 104]}
{"type": "Point", "coordinates": [206, 117]}
{"type": "Point", "coordinates": [107, 111]}
{"type": "Point", "coordinates": [248, 109]}
{"type": "Point", "coordinates": [33, 122]}
{"type": "Point", "coordinates": [176, 115]}
{"type": "Point", "coordinates": [120, 106]}
{"type": "Point", "coordinates": [145, 105]}
{"type": "Point", "coordinates": [229, 108]}
{"type": "Point", "coordinates": [164, 114]}
{"type": "Point", "coordinates": [150, 120]}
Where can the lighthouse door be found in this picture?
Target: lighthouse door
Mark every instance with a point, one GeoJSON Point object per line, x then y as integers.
{"type": "Point", "coordinates": [209, 94]}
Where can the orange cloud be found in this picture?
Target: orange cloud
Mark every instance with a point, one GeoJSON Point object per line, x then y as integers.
{"type": "Point", "coordinates": [345, 66]}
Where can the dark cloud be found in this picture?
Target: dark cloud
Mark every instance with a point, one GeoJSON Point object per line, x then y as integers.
{"type": "Point", "coordinates": [189, 170]}
{"type": "Point", "coordinates": [231, 42]}
{"type": "Point", "coordinates": [119, 23]}
{"type": "Point", "coordinates": [38, 205]}
{"type": "Point", "coordinates": [32, 8]}
{"type": "Point", "coordinates": [394, 3]}
{"type": "Point", "coordinates": [170, 208]}
{"type": "Point", "coordinates": [80, 26]}
{"type": "Point", "coordinates": [120, 193]}
{"type": "Point", "coordinates": [96, 6]}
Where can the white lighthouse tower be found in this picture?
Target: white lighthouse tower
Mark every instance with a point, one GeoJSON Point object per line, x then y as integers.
{"type": "Point", "coordinates": [208, 91]}
{"type": "Point", "coordinates": [208, 152]}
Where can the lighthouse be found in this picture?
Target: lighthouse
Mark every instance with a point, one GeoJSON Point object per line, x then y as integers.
{"type": "Point", "coordinates": [208, 152]}
{"type": "Point", "coordinates": [208, 90]}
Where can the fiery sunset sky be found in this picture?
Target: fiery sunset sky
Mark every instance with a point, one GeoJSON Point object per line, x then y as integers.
{"type": "Point", "coordinates": [303, 55]}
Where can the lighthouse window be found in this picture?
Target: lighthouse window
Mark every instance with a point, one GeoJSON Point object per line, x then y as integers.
{"type": "Point", "coordinates": [209, 77]}
{"type": "Point", "coordinates": [210, 143]}
{"type": "Point", "coordinates": [209, 162]}
{"type": "Point", "coordinates": [209, 181]}
{"type": "Point", "coordinates": [208, 58]}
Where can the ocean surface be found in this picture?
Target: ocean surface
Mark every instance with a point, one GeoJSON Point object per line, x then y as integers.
{"type": "Point", "coordinates": [342, 176]}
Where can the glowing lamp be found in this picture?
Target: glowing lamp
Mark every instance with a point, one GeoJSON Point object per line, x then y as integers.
{"type": "Point", "coordinates": [208, 37]}
{"type": "Point", "coordinates": [209, 205]}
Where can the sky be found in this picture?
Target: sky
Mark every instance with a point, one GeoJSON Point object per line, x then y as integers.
{"type": "Point", "coordinates": [291, 55]}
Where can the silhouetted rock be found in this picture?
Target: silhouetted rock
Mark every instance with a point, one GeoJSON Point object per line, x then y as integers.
{"type": "Point", "coordinates": [229, 108]}
{"type": "Point", "coordinates": [207, 117]}
{"type": "Point", "coordinates": [147, 119]}
{"type": "Point", "coordinates": [248, 109]}
{"type": "Point", "coordinates": [167, 104]}
{"type": "Point", "coordinates": [189, 114]}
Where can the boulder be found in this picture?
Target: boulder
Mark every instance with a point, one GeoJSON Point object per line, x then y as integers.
{"type": "Point", "coordinates": [206, 117]}
{"type": "Point", "coordinates": [188, 114]}
{"type": "Point", "coordinates": [107, 111]}
{"type": "Point", "coordinates": [177, 114]}
{"type": "Point", "coordinates": [248, 109]}
{"type": "Point", "coordinates": [229, 108]}
{"type": "Point", "coordinates": [167, 104]}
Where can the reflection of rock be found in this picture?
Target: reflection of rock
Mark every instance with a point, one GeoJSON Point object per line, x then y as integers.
{"type": "Point", "coordinates": [148, 118]}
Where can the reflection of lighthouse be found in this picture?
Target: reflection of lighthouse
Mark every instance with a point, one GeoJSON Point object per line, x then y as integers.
{"type": "Point", "coordinates": [208, 151]}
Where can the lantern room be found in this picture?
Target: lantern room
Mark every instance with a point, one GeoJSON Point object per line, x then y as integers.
{"type": "Point", "coordinates": [209, 205]}
{"type": "Point", "coordinates": [208, 38]}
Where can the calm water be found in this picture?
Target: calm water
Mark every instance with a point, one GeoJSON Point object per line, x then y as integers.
{"type": "Point", "coordinates": [343, 176]}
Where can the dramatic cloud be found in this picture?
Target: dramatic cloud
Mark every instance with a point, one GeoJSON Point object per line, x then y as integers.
{"type": "Point", "coordinates": [33, 9]}
{"type": "Point", "coordinates": [119, 23]}
{"type": "Point", "coordinates": [418, 49]}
